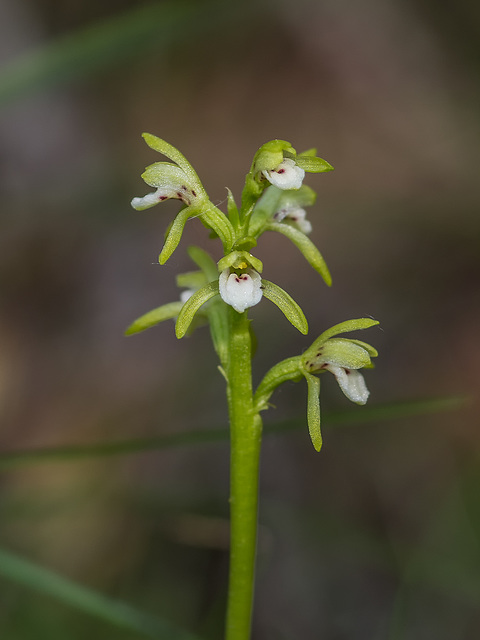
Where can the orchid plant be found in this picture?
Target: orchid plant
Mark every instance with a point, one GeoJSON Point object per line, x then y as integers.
{"type": "Point", "coordinates": [220, 293]}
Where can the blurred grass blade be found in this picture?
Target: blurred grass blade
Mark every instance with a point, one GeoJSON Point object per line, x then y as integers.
{"type": "Point", "coordinates": [392, 410]}
{"type": "Point", "coordinates": [17, 569]}
{"type": "Point", "coordinates": [109, 44]}
{"type": "Point", "coordinates": [106, 449]}
{"type": "Point", "coordinates": [356, 415]}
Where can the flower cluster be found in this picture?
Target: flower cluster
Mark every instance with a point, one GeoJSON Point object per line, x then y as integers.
{"type": "Point", "coordinates": [274, 198]}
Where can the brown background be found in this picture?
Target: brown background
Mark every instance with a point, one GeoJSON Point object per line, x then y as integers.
{"type": "Point", "coordinates": [377, 536]}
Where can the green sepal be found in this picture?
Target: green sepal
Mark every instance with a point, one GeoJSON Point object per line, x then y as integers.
{"type": "Point", "coordinates": [286, 304]}
{"type": "Point", "coordinates": [192, 305]}
{"type": "Point", "coordinates": [265, 209]}
{"type": "Point", "coordinates": [342, 327]}
{"type": "Point", "coordinates": [164, 175]}
{"type": "Point", "coordinates": [150, 319]}
{"type": "Point", "coordinates": [213, 219]}
{"type": "Point", "coordinates": [341, 352]}
{"type": "Point", "coordinates": [191, 280]}
{"type": "Point", "coordinates": [313, 410]}
{"type": "Point", "coordinates": [289, 369]}
{"type": "Point", "coordinates": [372, 352]}
{"type": "Point", "coordinates": [271, 154]}
{"type": "Point", "coordinates": [308, 152]}
{"type": "Point", "coordinates": [240, 260]}
{"type": "Point", "coordinates": [303, 197]}
{"type": "Point", "coordinates": [175, 232]}
{"type": "Point", "coordinates": [219, 222]}
{"type": "Point", "coordinates": [306, 246]}
{"type": "Point", "coordinates": [232, 210]}
{"type": "Point", "coordinates": [204, 261]}
{"type": "Point", "coordinates": [312, 164]}
{"type": "Point", "coordinates": [157, 144]}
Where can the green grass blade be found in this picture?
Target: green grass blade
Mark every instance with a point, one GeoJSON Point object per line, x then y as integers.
{"type": "Point", "coordinates": [108, 44]}
{"type": "Point", "coordinates": [392, 410]}
{"type": "Point", "coordinates": [19, 570]}
{"type": "Point", "coordinates": [356, 415]}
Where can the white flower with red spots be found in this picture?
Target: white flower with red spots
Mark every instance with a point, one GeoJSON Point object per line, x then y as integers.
{"type": "Point", "coordinates": [240, 290]}
{"type": "Point", "coordinates": [296, 217]}
{"type": "Point", "coordinates": [287, 175]}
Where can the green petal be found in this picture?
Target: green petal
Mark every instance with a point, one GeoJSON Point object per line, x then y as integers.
{"type": "Point", "coordinates": [237, 260]}
{"type": "Point", "coordinates": [175, 233]}
{"type": "Point", "coordinates": [192, 305]}
{"type": "Point", "coordinates": [313, 410]}
{"type": "Point", "coordinates": [342, 327]}
{"type": "Point", "coordinates": [150, 319]}
{"type": "Point", "coordinates": [286, 304]}
{"type": "Point", "coordinates": [306, 246]}
{"type": "Point", "coordinates": [313, 165]}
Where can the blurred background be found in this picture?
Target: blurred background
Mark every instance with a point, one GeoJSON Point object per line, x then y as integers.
{"type": "Point", "coordinates": [376, 537]}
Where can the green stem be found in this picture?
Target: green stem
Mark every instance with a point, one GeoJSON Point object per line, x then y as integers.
{"type": "Point", "coordinates": [246, 429]}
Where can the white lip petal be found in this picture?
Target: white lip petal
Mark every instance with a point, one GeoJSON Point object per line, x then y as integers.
{"type": "Point", "coordinates": [286, 176]}
{"type": "Point", "coordinates": [150, 200]}
{"type": "Point", "coordinates": [351, 382]}
{"type": "Point", "coordinates": [240, 291]}
{"type": "Point", "coordinates": [298, 218]}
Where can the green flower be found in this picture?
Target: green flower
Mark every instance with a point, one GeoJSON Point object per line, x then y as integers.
{"type": "Point", "coordinates": [179, 180]}
{"type": "Point", "coordinates": [171, 180]}
{"type": "Point", "coordinates": [341, 356]}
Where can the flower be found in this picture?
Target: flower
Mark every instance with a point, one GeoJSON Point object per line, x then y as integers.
{"type": "Point", "coordinates": [170, 182]}
{"type": "Point", "coordinates": [296, 217]}
{"type": "Point", "coordinates": [343, 358]}
{"type": "Point", "coordinates": [286, 175]}
{"type": "Point", "coordinates": [242, 289]}
{"type": "Point", "coordinates": [351, 382]}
